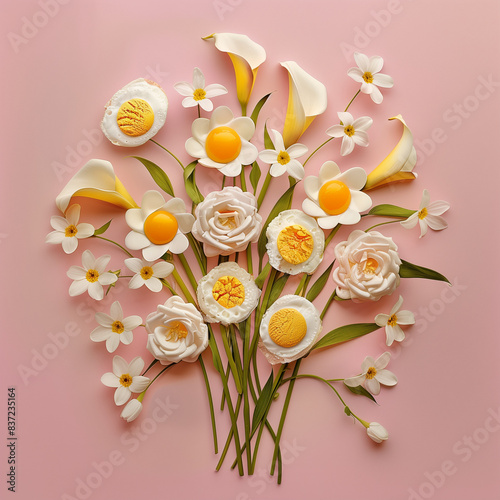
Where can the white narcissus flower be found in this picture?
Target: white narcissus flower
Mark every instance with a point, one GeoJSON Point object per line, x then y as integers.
{"type": "Point", "coordinates": [392, 321]}
{"type": "Point", "coordinates": [284, 159]}
{"type": "Point", "coordinates": [377, 432]}
{"type": "Point", "coordinates": [352, 131]}
{"type": "Point", "coordinates": [158, 226]}
{"type": "Point", "coordinates": [368, 74]}
{"type": "Point", "coordinates": [68, 231]}
{"type": "Point", "coordinates": [126, 377]}
{"type": "Point", "coordinates": [148, 273]}
{"type": "Point", "coordinates": [373, 374]}
{"type": "Point", "coordinates": [114, 328]}
{"type": "Point", "coordinates": [197, 94]}
{"type": "Point", "coordinates": [131, 410]}
{"type": "Point", "coordinates": [91, 277]}
{"type": "Point", "coordinates": [428, 215]}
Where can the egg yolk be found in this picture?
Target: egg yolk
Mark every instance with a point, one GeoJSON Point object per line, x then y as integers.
{"type": "Point", "coordinates": [334, 197]}
{"type": "Point", "coordinates": [295, 244]}
{"type": "Point", "coordinates": [135, 117]}
{"type": "Point", "coordinates": [287, 327]}
{"type": "Point", "coordinates": [228, 291]}
{"type": "Point", "coordinates": [160, 227]}
{"type": "Point", "coordinates": [223, 145]}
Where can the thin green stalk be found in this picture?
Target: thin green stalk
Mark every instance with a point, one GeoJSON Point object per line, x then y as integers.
{"type": "Point", "coordinates": [333, 232]}
{"type": "Point", "coordinates": [242, 179]}
{"type": "Point", "coordinates": [185, 291]}
{"type": "Point", "coordinates": [149, 367]}
{"type": "Point", "coordinates": [169, 152]}
{"type": "Point", "coordinates": [383, 224]}
{"type": "Point", "coordinates": [301, 285]}
{"type": "Point", "coordinates": [223, 181]}
{"type": "Point", "coordinates": [232, 364]}
{"type": "Point", "coordinates": [263, 190]}
{"type": "Point", "coordinates": [328, 304]}
{"type": "Point", "coordinates": [198, 253]}
{"type": "Point", "coordinates": [246, 402]}
{"type": "Point", "coordinates": [352, 100]}
{"type": "Point", "coordinates": [316, 150]}
{"type": "Point", "coordinates": [249, 259]}
{"type": "Point", "coordinates": [189, 273]}
{"type": "Point", "coordinates": [114, 243]}
{"type": "Point", "coordinates": [210, 402]}
{"type": "Point", "coordinates": [229, 439]}
{"type": "Point", "coordinates": [223, 396]}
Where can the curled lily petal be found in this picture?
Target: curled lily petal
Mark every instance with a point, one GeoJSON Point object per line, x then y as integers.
{"type": "Point", "coordinates": [306, 99]}
{"type": "Point", "coordinates": [246, 56]}
{"type": "Point", "coordinates": [96, 179]}
{"type": "Point", "coordinates": [398, 165]}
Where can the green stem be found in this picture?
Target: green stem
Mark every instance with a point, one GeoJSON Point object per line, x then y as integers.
{"type": "Point", "coordinates": [229, 439]}
{"type": "Point", "coordinates": [383, 224]}
{"type": "Point", "coordinates": [352, 100]}
{"type": "Point", "coordinates": [169, 152]}
{"type": "Point", "coordinates": [183, 287]}
{"type": "Point", "coordinates": [232, 364]}
{"type": "Point", "coordinates": [210, 402]}
{"type": "Point", "coordinates": [150, 366]}
{"type": "Point", "coordinates": [242, 179]}
{"type": "Point", "coordinates": [316, 150]}
{"type": "Point", "coordinates": [263, 190]}
{"type": "Point", "coordinates": [189, 273]}
{"type": "Point", "coordinates": [249, 259]}
{"type": "Point", "coordinates": [198, 253]}
{"type": "Point", "coordinates": [114, 243]}
{"type": "Point", "coordinates": [328, 304]}
{"type": "Point", "coordinates": [246, 402]}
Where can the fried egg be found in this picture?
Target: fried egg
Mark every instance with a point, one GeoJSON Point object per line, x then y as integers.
{"type": "Point", "coordinates": [288, 329]}
{"type": "Point", "coordinates": [295, 243]}
{"type": "Point", "coordinates": [227, 294]}
{"type": "Point", "coordinates": [135, 113]}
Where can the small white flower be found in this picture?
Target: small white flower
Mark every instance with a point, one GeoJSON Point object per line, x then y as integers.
{"type": "Point", "coordinates": [284, 160]}
{"type": "Point", "coordinates": [126, 378]}
{"type": "Point", "coordinates": [91, 277]}
{"type": "Point", "coordinates": [131, 410]}
{"type": "Point", "coordinates": [114, 328]}
{"type": "Point", "coordinates": [373, 374]}
{"type": "Point", "coordinates": [68, 231]}
{"type": "Point", "coordinates": [197, 93]}
{"type": "Point", "coordinates": [392, 321]}
{"type": "Point", "coordinates": [428, 215]}
{"type": "Point", "coordinates": [148, 273]}
{"type": "Point", "coordinates": [367, 73]}
{"type": "Point", "coordinates": [377, 432]}
{"type": "Point", "coordinates": [352, 131]}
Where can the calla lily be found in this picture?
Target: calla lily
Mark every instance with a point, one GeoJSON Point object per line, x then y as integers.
{"type": "Point", "coordinates": [398, 165]}
{"type": "Point", "coordinates": [246, 56]}
{"type": "Point", "coordinates": [96, 179]}
{"type": "Point", "coordinates": [306, 99]}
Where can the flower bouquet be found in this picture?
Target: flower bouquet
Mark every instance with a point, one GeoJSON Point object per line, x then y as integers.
{"type": "Point", "coordinates": [228, 278]}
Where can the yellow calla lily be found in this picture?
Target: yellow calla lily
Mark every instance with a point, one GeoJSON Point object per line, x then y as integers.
{"type": "Point", "coordinates": [398, 164]}
{"type": "Point", "coordinates": [306, 99]}
{"type": "Point", "coordinates": [246, 56]}
{"type": "Point", "coordinates": [96, 179]}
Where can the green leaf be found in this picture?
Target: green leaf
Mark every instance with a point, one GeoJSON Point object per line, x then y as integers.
{"type": "Point", "coordinates": [265, 399]}
{"type": "Point", "coordinates": [277, 288]}
{"type": "Point", "coordinates": [268, 143]}
{"type": "Point", "coordinates": [102, 229]}
{"type": "Point", "coordinates": [386, 210]}
{"type": "Point", "coordinates": [158, 175]}
{"type": "Point", "coordinates": [259, 281]}
{"type": "Point", "coordinates": [284, 203]}
{"type": "Point", "coordinates": [361, 391]}
{"type": "Point", "coordinates": [319, 284]}
{"type": "Point", "coordinates": [345, 333]}
{"type": "Point", "coordinates": [255, 176]}
{"type": "Point", "coordinates": [407, 270]}
{"type": "Point", "coordinates": [190, 183]}
{"type": "Point", "coordinates": [258, 107]}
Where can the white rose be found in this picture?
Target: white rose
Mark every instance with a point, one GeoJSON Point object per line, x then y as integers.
{"type": "Point", "coordinates": [368, 266]}
{"type": "Point", "coordinates": [176, 332]}
{"type": "Point", "coordinates": [227, 221]}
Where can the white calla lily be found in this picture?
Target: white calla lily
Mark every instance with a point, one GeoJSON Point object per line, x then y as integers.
{"type": "Point", "coordinates": [96, 179]}
{"type": "Point", "coordinates": [307, 99]}
{"type": "Point", "coordinates": [246, 56]}
{"type": "Point", "coordinates": [399, 163]}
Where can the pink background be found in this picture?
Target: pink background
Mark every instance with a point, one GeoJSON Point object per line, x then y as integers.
{"type": "Point", "coordinates": [444, 414]}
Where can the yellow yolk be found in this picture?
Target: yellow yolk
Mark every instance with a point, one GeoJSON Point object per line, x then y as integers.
{"type": "Point", "coordinates": [295, 244]}
{"type": "Point", "coordinates": [223, 145]}
{"type": "Point", "coordinates": [334, 197]}
{"type": "Point", "coordinates": [176, 331]}
{"type": "Point", "coordinates": [229, 292]}
{"type": "Point", "coordinates": [287, 327]}
{"type": "Point", "coordinates": [135, 117]}
{"type": "Point", "coordinates": [160, 227]}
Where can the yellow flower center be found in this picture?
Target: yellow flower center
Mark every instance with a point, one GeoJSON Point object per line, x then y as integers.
{"type": "Point", "coordinates": [160, 227]}
{"type": "Point", "coordinates": [227, 218]}
{"type": "Point", "coordinates": [423, 213]}
{"type": "Point", "coordinates": [334, 197]}
{"type": "Point", "coordinates": [287, 327]}
{"type": "Point", "coordinates": [349, 130]}
{"type": "Point", "coordinates": [228, 291]}
{"type": "Point", "coordinates": [70, 231]}
{"type": "Point", "coordinates": [295, 244]}
{"type": "Point", "coordinates": [283, 158]}
{"type": "Point", "coordinates": [146, 272]}
{"type": "Point", "coordinates": [126, 380]}
{"type": "Point", "coordinates": [199, 95]}
{"type": "Point", "coordinates": [393, 320]}
{"type": "Point", "coordinates": [135, 117]}
{"type": "Point", "coordinates": [176, 331]}
{"type": "Point", "coordinates": [371, 372]}
{"type": "Point", "coordinates": [370, 266]}
{"type": "Point", "coordinates": [223, 144]}
{"type": "Point", "coordinates": [117, 327]}
{"type": "Point", "coordinates": [368, 77]}
{"type": "Point", "coordinates": [92, 275]}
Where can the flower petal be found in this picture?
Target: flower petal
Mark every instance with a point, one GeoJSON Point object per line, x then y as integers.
{"type": "Point", "coordinates": [436, 222]}
{"type": "Point", "coordinates": [110, 380]}
{"type": "Point", "coordinates": [385, 377]}
{"type": "Point", "coordinates": [122, 395]}
{"type": "Point", "coordinates": [382, 361]}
